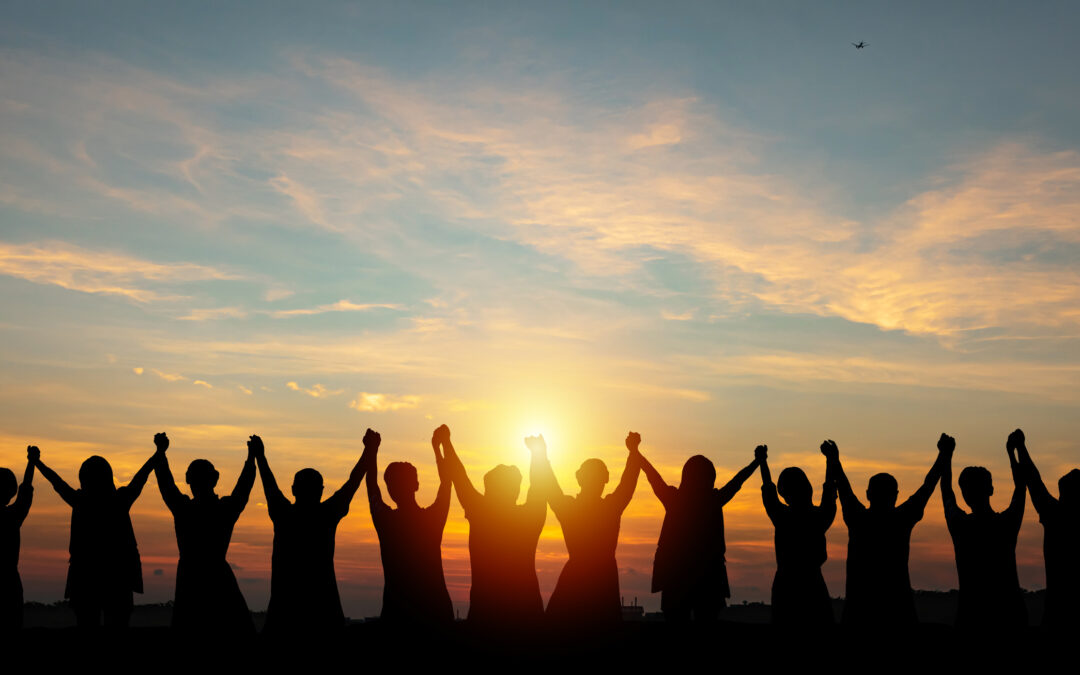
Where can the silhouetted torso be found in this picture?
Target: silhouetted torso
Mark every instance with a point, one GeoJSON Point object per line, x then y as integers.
{"type": "Point", "coordinates": [303, 587]}
{"type": "Point", "coordinates": [207, 595]}
{"type": "Point", "coordinates": [587, 593]}
{"type": "Point", "coordinates": [1061, 550]}
{"type": "Point", "coordinates": [11, 590]}
{"type": "Point", "coordinates": [985, 546]}
{"type": "Point", "coordinates": [878, 584]}
{"type": "Point", "coordinates": [502, 550]}
{"type": "Point", "coordinates": [410, 542]}
{"type": "Point", "coordinates": [689, 567]}
{"type": "Point", "coordinates": [799, 593]}
{"type": "Point", "coordinates": [105, 567]}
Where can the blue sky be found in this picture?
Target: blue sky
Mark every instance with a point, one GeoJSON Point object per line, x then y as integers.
{"type": "Point", "coordinates": [718, 224]}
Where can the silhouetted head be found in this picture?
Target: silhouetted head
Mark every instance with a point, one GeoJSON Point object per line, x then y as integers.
{"type": "Point", "coordinates": [307, 486]}
{"type": "Point", "coordinates": [1069, 489]}
{"type": "Point", "coordinates": [794, 487]}
{"type": "Point", "coordinates": [503, 484]}
{"type": "Point", "coordinates": [698, 474]}
{"type": "Point", "coordinates": [976, 485]}
{"type": "Point", "coordinates": [96, 476]}
{"type": "Point", "coordinates": [882, 491]}
{"type": "Point", "coordinates": [8, 485]}
{"type": "Point", "coordinates": [401, 482]}
{"type": "Point", "coordinates": [592, 476]}
{"type": "Point", "coordinates": [201, 476]}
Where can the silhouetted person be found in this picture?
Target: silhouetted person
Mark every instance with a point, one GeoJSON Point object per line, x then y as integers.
{"type": "Point", "coordinates": [689, 570]}
{"type": "Point", "coordinates": [879, 540]}
{"type": "Point", "coordinates": [208, 599]}
{"type": "Point", "coordinates": [410, 540]}
{"type": "Point", "coordinates": [587, 593]}
{"type": "Point", "coordinates": [1061, 537]}
{"type": "Point", "coordinates": [104, 570]}
{"type": "Point", "coordinates": [799, 594]}
{"type": "Point", "coordinates": [303, 587]}
{"type": "Point", "coordinates": [11, 520]}
{"type": "Point", "coordinates": [505, 594]}
{"type": "Point", "coordinates": [985, 545]}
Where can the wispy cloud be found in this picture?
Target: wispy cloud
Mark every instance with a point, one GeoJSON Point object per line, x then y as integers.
{"type": "Point", "coordinates": [97, 271]}
{"type": "Point", "coordinates": [339, 306]}
{"type": "Point", "coordinates": [365, 402]}
{"type": "Point", "coordinates": [168, 377]}
{"type": "Point", "coordinates": [317, 391]}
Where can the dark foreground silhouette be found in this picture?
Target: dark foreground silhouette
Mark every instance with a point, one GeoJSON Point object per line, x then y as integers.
{"type": "Point", "coordinates": [303, 587]}
{"type": "Point", "coordinates": [985, 544]}
{"type": "Point", "coordinates": [1060, 518]}
{"type": "Point", "coordinates": [799, 594]}
{"type": "Point", "coordinates": [689, 570]}
{"type": "Point", "coordinates": [208, 599]}
{"type": "Point", "coordinates": [104, 570]}
{"type": "Point", "coordinates": [879, 541]}
{"type": "Point", "coordinates": [11, 520]}
{"type": "Point", "coordinates": [410, 540]}
{"type": "Point", "coordinates": [505, 594]}
{"type": "Point", "coordinates": [586, 596]}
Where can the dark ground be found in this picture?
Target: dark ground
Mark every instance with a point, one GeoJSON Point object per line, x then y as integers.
{"type": "Point", "coordinates": [743, 639]}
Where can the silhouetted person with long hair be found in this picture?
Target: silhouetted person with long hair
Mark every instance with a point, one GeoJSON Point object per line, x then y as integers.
{"type": "Point", "coordinates": [879, 541]}
{"type": "Point", "coordinates": [799, 594]}
{"type": "Point", "coordinates": [410, 540]}
{"type": "Point", "coordinates": [587, 593]}
{"type": "Point", "coordinates": [689, 570]}
{"type": "Point", "coordinates": [505, 594]}
{"type": "Point", "coordinates": [208, 599]}
{"type": "Point", "coordinates": [985, 544]}
{"type": "Point", "coordinates": [104, 570]}
{"type": "Point", "coordinates": [303, 587]}
{"type": "Point", "coordinates": [1060, 518]}
{"type": "Point", "coordinates": [11, 520]}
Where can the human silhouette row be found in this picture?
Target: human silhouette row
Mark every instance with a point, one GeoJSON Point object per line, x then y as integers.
{"type": "Point", "coordinates": [689, 567]}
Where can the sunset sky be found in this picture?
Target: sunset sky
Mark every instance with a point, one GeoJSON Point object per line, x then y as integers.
{"type": "Point", "coordinates": [716, 224]}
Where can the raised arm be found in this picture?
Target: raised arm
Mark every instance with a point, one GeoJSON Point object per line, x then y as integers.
{"type": "Point", "coordinates": [946, 445]}
{"type": "Point", "coordinates": [542, 480]}
{"type": "Point", "coordinates": [664, 492]}
{"type": "Point", "coordinates": [343, 497]}
{"type": "Point", "coordinates": [732, 487]}
{"type": "Point", "coordinates": [170, 494]}
{"type": "Point", "coordinates": [1015, 509]}
{"type": "Point", "coordinates": [624, 492]}
{"type": "Point", "coordinates": [827, 509]}
{"type": "Point", "coordinates": [537, 497]}
{"type": "Point", "coordinates": [467, 494]}
{"type": "Point", "coordinates": [242, 491]}
{"type": "Point", "coordinates": [374, 492]}
{"type": "Point", "coordinates": [130, 492]}
{"type": "Point", "coordinates": [275, 499]}
{"type": "Point", "coordinates": [441, 506]}
{"type": "Point", "coordinates": [26, 489]}
{"type": "Point", "coordinates": [66, 492]}
{"type": "Point", "coordinates": [1040, 496]}
{"type": "Point", "coordinates": [769, 498]}
{"type": "Point", "coordinates": [920, 497]}
{"type": "Point", "coordinates": [835, 470]}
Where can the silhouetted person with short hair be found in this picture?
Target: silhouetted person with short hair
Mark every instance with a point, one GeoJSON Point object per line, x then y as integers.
{"type": "Point", "coordinates": [587, 593]}
{"type": "Point", "coordinates": [410, 541]}
{"type": "Point", "coordinates": [104, 570]}
{"type": "Point", "coordinates": [11, 520]}
{"type": "Point", "coordinates": [689, 570]}
{"type": "Point", "coordinates": [1060, 518]}
{"type": "Point", "coordinates": [985, 545]}
{"type": "Point", "coordinates": [303, 587]}
{"type": "Point", "coordinates": [799, 594]}
{"type": "Point", "coordinates": [879, 541]}
{"type": "Point", "coordinates": [505, 594]}
{"type": "Point", "coordinates": [208, 599]}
